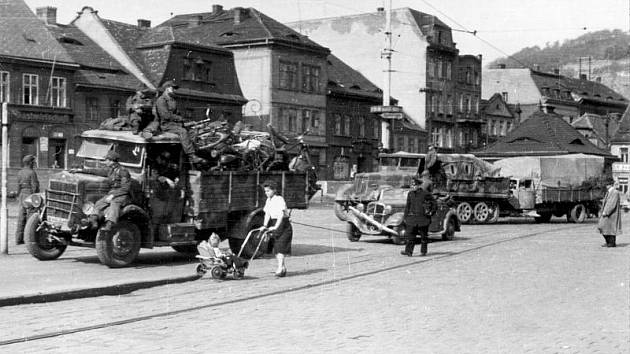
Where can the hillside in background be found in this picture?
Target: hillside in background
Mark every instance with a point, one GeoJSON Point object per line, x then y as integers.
{"type": "Point", "coordinates": [609, 52]}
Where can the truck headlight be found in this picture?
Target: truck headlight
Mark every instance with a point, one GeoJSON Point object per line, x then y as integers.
{"type": "Point", "coordinates": [33, 201]}
{"type": "Point", "coordinates": [88, 208]}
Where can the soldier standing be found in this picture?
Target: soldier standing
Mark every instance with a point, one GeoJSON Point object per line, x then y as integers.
{"type": "Point", "coordinates": [27, 184]}
{"type": "Point", "coordinates": [417, 217]}
{"type": "Point", "coordinates": [172, 122]}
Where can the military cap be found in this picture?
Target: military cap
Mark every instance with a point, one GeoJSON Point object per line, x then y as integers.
{"type": "Point", "coordinates": [112, 155]}
{"type": "Point", "coordinates": [28, 159]}
{"type": "Point", "coordinates": [169, 83]}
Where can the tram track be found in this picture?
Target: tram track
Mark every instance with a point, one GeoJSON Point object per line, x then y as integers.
{"type": "Point", "coordinates": [313, 285]}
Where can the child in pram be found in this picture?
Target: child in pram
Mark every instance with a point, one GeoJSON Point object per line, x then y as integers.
{"type": "Point", "coordinates": [220, 261]}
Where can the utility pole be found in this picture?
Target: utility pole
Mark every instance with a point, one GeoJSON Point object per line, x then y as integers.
{"type": "Point", "coordinates": [386, 133]}
{"type": "Point", "coordinates": [4, 214]}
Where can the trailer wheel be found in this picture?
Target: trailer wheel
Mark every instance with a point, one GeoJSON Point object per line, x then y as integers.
{"type": "Point", "coordinates": [120, 246]}
{"type": "Point", "coordinates": [353, 233]}
{"type": "Point", "coordinates": [37, 242]}
{"type": "Point", "coordinates": [401, 238]}
{"type": "Point", "coordinates": [578, 213]}
{"type": "Point", "coordinates": [544, 217]}
{"type": "Point", "coordinates": [481, 212]}
{"type": "Point", "coordinates": [464, 212]}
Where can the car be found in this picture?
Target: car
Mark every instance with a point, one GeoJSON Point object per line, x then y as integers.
{"type": "Point", "coordinates": [384, 216]}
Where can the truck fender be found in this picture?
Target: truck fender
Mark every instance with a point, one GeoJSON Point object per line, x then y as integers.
{"type": "Point", "coordinates": [140, 217]}
{"type": "Point", "coordinates": [395, 219]}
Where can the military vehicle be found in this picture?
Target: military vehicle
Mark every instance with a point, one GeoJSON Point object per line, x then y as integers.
{"type": "Point", "coordinates": [226, 202]}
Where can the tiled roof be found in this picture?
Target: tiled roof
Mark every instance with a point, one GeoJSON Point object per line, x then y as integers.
{"type": "Point", "coordinates": [344, 79]}
{"type": "Point", "coordinates": [581, 88]}
{"type": "Point", "coordinates": [221, 28]}
{"type": "Point", "coordinates": [424, 20]}
{"type": "Point", "coordinates": [82, 49]}
{"type": "Point", "coordinates": [105, 79]}
{"type": "Point", "coordinates": [597, 124]}
{"type": "Point", "coordinates": [623, 133]}
{"type": "Point", "coordinates": [24, 35]}
{"type": "Point", "coordinates": [542, 134]}
{"type": "Point", "coordinates": [127, 36]}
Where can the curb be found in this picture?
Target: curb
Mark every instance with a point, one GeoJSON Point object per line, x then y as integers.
{"type": "Point", "coordinates": [110, 290]}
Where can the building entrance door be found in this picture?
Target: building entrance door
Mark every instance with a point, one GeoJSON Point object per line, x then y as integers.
{"type": "Point", "coordinates": [57, 151]}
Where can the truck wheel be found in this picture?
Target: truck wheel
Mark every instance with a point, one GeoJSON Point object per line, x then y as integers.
{"type": "Point", "coordinates": [190, 250]}
{"type": "Point", "coordinates": [119, 246]}
{"type": "Point", "coordinates": [400, 239]}
{"type": "Point", "coordinates": [340, 212]}
{"type": "Point", "coordinates": [481, 212]}
{"type": "Point", "coordinates": [544, 217]}
{"type": "Point", "coordinates": [37, 242]}
{"type": "Point", "coordinates": [464, 212]}
{"type": "Point", "coordinates": [578, 213]}
{"type": "Point", "coordinates": [449, 232]}
{"type": "Point", "coordinates": [353, 233]}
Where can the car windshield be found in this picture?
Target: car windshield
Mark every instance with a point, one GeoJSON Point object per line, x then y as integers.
{"type": "Point", "coordinates": [130, 153]}
{"type": "Point", "coordinates": [409, 163]}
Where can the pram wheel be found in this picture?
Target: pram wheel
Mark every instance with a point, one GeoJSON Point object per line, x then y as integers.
{"type": "Point", "coordinates": [201, 270]}
{"type": "Point", "coordinates": [238, 273]}
{"type": "Point", "coordinates": [217, 272]}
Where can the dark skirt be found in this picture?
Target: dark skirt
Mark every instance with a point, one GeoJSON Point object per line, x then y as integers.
{"type": "Point", "coordinates": [282, 236]}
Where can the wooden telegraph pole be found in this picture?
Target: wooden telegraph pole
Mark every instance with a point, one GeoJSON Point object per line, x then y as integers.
{"type": "Point", "coordinates": [4, 215]}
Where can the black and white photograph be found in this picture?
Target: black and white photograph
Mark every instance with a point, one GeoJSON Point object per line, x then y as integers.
{"type": "Point", "coordinates": [314, 176]}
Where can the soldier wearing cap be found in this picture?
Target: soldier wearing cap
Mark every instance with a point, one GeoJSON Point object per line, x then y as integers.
{"type": "Point", "coordinates": [119, 193]}
{"type": "Point", "coordinates": [417, 216]}
{"type": "Point", "coordinates": [172, 122]}
{"type": "Point", "coordinates": [27, 184]}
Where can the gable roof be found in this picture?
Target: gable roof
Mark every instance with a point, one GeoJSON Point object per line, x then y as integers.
{"type": "Point", "coordinates": [542, 134]}
{"type": "Point", "coordinates": [623, 132]}
{"type": "Point", "coordinates": [345, 80]}
{"type": "Point", "coordinates": [26, 36]}
{"type": "Point", "coordinates": [603, 127]}
{"type": "Point", "coordinates": [489, 107]}
{"type": "Point", "coordinates": [222, 29]}
{"type": "Point", "coordinates": [579, 88]}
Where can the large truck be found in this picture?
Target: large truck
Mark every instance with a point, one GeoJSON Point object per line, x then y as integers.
{"type": "Point", "coordinates": [226, 202]}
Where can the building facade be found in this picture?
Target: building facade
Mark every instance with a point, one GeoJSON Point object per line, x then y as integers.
{"type": "Point", "coordinates": [499, 118]}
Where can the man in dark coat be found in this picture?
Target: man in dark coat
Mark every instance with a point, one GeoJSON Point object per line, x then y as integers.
{"type": "Point", "coordinates": [172, 122]}
{"type": "Point", "coordinates": [417, 217]}
{"type": "Point", "coordinates": [27, 184]}
{"type": "Point", "coordinates": [119, 194]}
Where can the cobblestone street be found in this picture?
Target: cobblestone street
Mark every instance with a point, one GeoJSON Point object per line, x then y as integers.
{"type": "Point", "coordinates": [512, 287]}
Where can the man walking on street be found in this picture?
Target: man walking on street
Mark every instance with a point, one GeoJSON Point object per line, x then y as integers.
{"type": "Point", "coordinates": [27, 184]}
{"type": "Point", "coordinates": [172, 122]}
{"type": "Point", "coordinates": [417, 216]}
{"type": "Point", "coordinates": [610, 219]}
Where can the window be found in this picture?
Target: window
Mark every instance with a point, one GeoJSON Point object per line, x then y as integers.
{"type": "Point", "coordinates": [188, 70]}
{"type": "Point", "coordinates": [509, 126]}
{"type": "Point", "coordinates": [115, 109]}
{"type": "Point", "coordinates": [467, 104]}
{"type": "Point", "coordinates": [4, 86]}
{"type": "Point", "coordinates": [346, 125]}
{"type": "Point", "coordinates": [449, 74]}
{"type": "Point", "coordinates": [490, 126]}
{"type": "Point", "coordinates": [623, 155]}
{"type": "Point", "coordinates": [400, 143]}
{"type": "Point", "coordinates": [477, 78]}
{"type": "Point", "coordinates": [431, 68]}
{"type": "Point", "coordinates": [433, 103]}
{"type": "Point", "coordinates": [468, 76]}
{"type": "Point", "coordinates": [435, 136]}
{"type": "Point", "coordinates": [412, 145]}
{"type": "Point", "coordinates": [503, 127]}
{"type": "Point", "coordinates": [495, 126]}
{"type": "Point", "coordinates": [449, 104]}
{"type": "Point", "coordinates": [58, 92]}
{"type": "Point", "coordinates": [461, 103]}
{"type": "Point", "coordinates": [338, 124]}
{"type": "Point", "coordinates": [202, 71]}
{"type": "Point", "coordinates": [310, 78]}
{"type": "Point", "coordinates": [289, 119]}
{"type": "Point", "coordinates": [440, 104]}
{"type": "Point", "coordinates": [477, 105]}
{"type": "Point", "coordinates": [362, 127]}
{"type": "Point", "coordinates": [315, 126]}
{"type": "Point", "coordinates": [288, 75]}
{"type": "Point", "coordinates": [449, 138]}
{"type": "Point", "coordinates": [375, 124]}
{"type": "Point", "coordinates": [505, 96]}
{"type": "Point", "coordinates": [439, 69]}
{"type": "Point", "coordinates": [623, 184]}
{"type": "Point", "coordinates": [30, 84]}
{"type": "Point", "coordinates": [91, 109]}
{"type": "Point", "coordinates": [306, 120]}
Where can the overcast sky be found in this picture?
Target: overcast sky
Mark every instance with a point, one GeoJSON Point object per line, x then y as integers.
{"type": "Point", "coordinates": [503, 26]}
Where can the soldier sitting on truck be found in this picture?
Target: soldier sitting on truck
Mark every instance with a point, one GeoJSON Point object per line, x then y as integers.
{"type": "Point", "coordinates": [118, 195]}
{"type": "Point", "coordinates": [172, 122]}
{"type": "Point", "coordinates": [141, 119]}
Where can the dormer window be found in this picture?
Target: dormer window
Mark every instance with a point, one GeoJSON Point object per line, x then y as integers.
{"type": "Point", "coordinates": [293, 36]}
{"type": "Point", "coordinates": [69, 40]}
{"type": "Point", "coordinates": [228, 34]}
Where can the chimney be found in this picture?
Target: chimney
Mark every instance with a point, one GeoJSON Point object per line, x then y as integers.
{"type": "Point", "coordinates": [195, 21]}
{"type": "Point", "coordinates": [48, 14]}
{"type": "Point", "coordinates": [556, 71]}
{"type": "Point", "coordinates": [380, 9]}
{"type": "Point", "coordinates": [239, 13]}
{"type": "Point", "coordinates": [582, 76]}
{"type": "Point", "coordinates": [501, 66]}
{"type": "Point", "coordinates": [144, 23]}
{"type": "Point", "coordinates": [217, 9]}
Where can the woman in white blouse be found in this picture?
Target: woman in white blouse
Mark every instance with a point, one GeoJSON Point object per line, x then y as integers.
{"type": "Point", "coordinates": [277, 221]}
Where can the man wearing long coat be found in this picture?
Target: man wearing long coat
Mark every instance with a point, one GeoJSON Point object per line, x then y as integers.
{"type": "Point", "coordinates": [416, 217]}
{"type": "Point", "coordinates": [610, 219]}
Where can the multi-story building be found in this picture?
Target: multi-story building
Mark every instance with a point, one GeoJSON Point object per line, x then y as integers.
{"type": "Point", "coordinates": [572, 97]}
{"type": "Point", "coordinates": [282, 73]}
{"type": "Point", "coordinates": [620, 147]}
{"type": "Point", "coordinates": [37, 80]}
{"type": "Point", "coordinates": [429, 77]}
{"type": "Point", "coordinates": [499, 118]}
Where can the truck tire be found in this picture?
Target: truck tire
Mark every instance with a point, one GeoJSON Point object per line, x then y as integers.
{"type": "Point", "coordinates": [481, 212]}
{"type": "Point", "coordinates": [253, 221]}
{"type": "Point", "coordinates": [578, 213]}
{"type": "Point", "coordinates": [252, 243]}
{"type": "Point", "coordinates": [544, 217]}
{"type": "Point", "coordinates": [120, 246]}
{"type": "Point", "coordinates": [449, 232]}
{"type": "Point", "coordinates": [464, 212]}
{"type": "Point", "coordinates": [37, 242]}
{"type": "Point", "coordinates": [353, 233]}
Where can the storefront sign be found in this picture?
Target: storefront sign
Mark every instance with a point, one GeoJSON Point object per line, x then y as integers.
{"type": "Point", "coordinates": [42, 117]}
